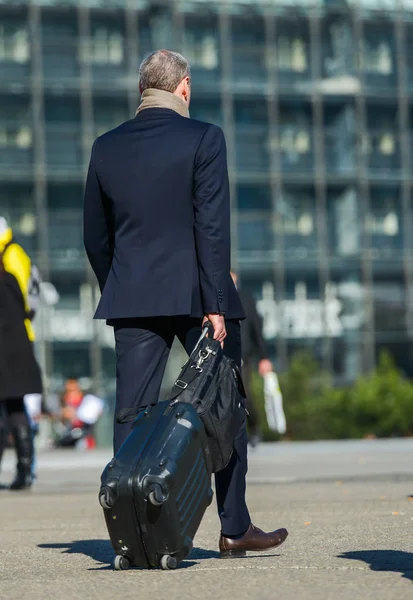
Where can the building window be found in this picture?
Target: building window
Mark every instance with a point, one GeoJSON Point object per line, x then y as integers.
{"type": "Point", "coordinates": [14, 44]}
{"type": "Point", "coordinates": [255, 236]}
{"type": "Point", "coordinates": [297, 209]}
{"type": "Point", "coordinates": [293, 142]}
{"type": "Point", "coordinates": [344, 222]}
{"type": "Point", "coordinates": [381, 144]}
{"type": "Point", "coordinates": [293, 139]}
{"type": "Point", "coordinates": [376, 58]}
{"type": "Point", "coordinates": [292, 49]}
{"type": "Point", "coordinates": [292, 54]}
{"type": "Point", "coordinates": [377, 51]}
{"type": "Point", "coordinates": [201, 49]}
{"type": "Point", "coordinates": [206, 109]}
{"type": "Point", "coordinates": [104, 47]}
{"type": "Point", "coordinates": [254, 197]}
{"type": "Point", "coordinates": [338, 47]}
{"type": "Point", "coordinates": [109, 113]}
{"type": "Point", "coordinates": [383, 222]}
{"type": "Point", "coordinates": [12, 136]}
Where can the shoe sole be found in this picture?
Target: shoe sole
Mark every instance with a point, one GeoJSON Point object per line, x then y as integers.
{"type": "Point", "coordinates": [243, 553]}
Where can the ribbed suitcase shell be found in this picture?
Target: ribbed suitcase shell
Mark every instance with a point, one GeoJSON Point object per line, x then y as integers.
{"type": "Point", "coordinates": [156, 489]}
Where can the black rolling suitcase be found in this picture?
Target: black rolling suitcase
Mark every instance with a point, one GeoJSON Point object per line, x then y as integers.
{"type": "Point", "coordinates": [156, 489]}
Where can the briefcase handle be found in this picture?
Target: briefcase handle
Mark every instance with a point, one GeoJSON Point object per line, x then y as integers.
{"type": "Point", "coordinates": [207, 329]}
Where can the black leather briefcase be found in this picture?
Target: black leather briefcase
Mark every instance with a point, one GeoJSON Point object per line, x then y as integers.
{"type": "Point", "coordinates": [212, 383]}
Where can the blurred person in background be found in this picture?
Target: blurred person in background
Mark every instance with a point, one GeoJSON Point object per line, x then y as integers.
{"type": "Point", "coordinates": [19, 371]}
{"type": "Point", "coordinates": [79, 413]}
{"type": "Point", "coordinates": [157, 234]}
{"type": "Point", "coordinates": [254, 357]}
{"type": "Point", "coordinates": [35, 409]}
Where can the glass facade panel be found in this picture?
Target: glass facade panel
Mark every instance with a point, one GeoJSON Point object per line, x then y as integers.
{"type": "Point", "coordinates": [337, 48]}
{"type": "Point", "coordinates": [15, 54]}
{"type": "Point", "coordinates": [109, 112]}
{"type": "Point", "coordinates": [383, 222]}
{"type": "Point", "coordinates": [17, 206]}
{"type": "Point", "coordinates": [299, 222]}
{"type": "Point", "coordinates": [66, 238]}
{"type": "Point", "coordinates": [251, 134]}
{"type": "Point", "coordinates": [206, 109]}
{"type": "Point", "coordinates": [381, 145]}
{"type": "Point", "coordinates": [16, 134]}
{"type": "Point", "coordinates": [61, 48]}
{"type": "Point", "coordinates": [63, 133]}
{"type": "Point", "coordinates": [105, 51]}
{"type": "Point", "coordinates": [378, 55]}
{"type": "Point", "coordinates": [292, 56]}
{"type": "Point", "coordinates": [389, 307]}
{"type": "Point", "coordinates": [248, 54]}
{"type": "Point", "coordinates": [294, 139]}
{"type": "Point", "coordinates": [340, 133]}
{"type": "Point", "coordinates": [344, 222]}
{"type": "Point", "coordinates": [255, 235]}
{"type": "Point", "coordinates": [201, 46]}
{"type": "Point", "coordinates": [254, 197]}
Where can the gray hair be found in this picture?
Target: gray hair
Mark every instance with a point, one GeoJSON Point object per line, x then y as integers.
{"type": "Point", "coordinates": [163, 70]}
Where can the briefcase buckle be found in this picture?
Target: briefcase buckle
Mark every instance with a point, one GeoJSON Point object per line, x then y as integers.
{"type": "Point", "coordinates": [181, 384]}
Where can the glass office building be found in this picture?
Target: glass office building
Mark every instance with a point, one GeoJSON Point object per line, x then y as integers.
{"type": "Point", "coordinates": [316, 101]}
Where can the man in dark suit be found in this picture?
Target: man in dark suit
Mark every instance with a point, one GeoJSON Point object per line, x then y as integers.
{"type": "Point", "coordinates": [157, 234]}
{"type": "Point", "coordinates": [253, 351]}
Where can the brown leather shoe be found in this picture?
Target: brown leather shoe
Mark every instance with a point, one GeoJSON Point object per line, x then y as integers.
{"type": "Point", "coordinates": [254, 540]}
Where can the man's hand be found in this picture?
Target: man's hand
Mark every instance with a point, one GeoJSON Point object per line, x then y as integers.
{"type": "Point", "coordinates": [218, 323]}
{"type": "Point", "coordinates": [264, 367]}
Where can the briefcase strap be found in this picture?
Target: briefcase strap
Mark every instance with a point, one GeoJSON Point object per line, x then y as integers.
{"type": "Point", "coordinates": [185, 379]}
{"type": "Point", "coordinates": [182, 383]}
{"type": "Point", "coordinates": [126, 415]}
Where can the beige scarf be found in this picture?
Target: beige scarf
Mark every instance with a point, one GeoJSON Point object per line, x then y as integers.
{"type": "Point", "coordinates": [152, 98]}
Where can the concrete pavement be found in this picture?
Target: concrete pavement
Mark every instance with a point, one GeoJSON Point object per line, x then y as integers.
{"type": "Point", "coordinates": [345, 505]}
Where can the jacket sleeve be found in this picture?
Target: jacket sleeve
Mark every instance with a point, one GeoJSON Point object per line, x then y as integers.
{"type": "Point", "coordinates": [212, 220]}
{"type": "Point", "coordinates": [97, 224]}
{"type": "Point", "coordinates": [17, 263]}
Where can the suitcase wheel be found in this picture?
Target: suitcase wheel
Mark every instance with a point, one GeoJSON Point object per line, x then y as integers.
{"type": "Point", "coordinates": [168, 562]}
{"type": "Point", "coordinates": [105, 499]}
{"type": "Point", "coordinates": [121, 563]}
{"type": "Point", "coordinates": [157, 496]}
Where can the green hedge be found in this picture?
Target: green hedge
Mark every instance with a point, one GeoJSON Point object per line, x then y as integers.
{"type": "Point", "coordinates": [379, 404]}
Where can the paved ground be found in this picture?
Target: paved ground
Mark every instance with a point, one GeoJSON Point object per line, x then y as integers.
{"type": "Point", "coordinates": [345, 505]}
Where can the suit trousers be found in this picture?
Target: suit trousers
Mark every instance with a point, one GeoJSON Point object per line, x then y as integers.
{"type": "Point", "coordinates": [142, 350]}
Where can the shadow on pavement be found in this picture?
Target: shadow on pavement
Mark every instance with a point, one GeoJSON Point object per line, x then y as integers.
{"type": "Point", "coordinates": [395, 561]}
{"type": "Point", "coordinates": [102, 552]}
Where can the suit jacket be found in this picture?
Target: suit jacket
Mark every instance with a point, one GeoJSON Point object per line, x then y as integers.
{"type": "Point", "coordinates": [252, 339]}
{"type": "Point", "coordinates": [157, 219]}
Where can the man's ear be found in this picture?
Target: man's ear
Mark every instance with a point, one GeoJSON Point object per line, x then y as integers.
{"type": "Point", "coordinates": [186, 87]}
{"type": "Point", "coordinates": [140, 89]}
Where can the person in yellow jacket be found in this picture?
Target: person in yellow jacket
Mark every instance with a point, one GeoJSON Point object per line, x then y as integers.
{"type": "Point", "coordinates": [19, 371]}
{"type": "Point", "coordinates": [17, 262]}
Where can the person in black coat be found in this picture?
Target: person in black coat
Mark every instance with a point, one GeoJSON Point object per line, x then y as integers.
{"type": "Point", "coordinates": [19, 375]}
{"type": "Point", "coordinates": [254, 356]}
{"type": "Point", "coordinates": [157, 234]}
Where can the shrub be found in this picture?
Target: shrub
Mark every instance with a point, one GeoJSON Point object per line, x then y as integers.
{"type": "Point", "coordinates": [378, 404]}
